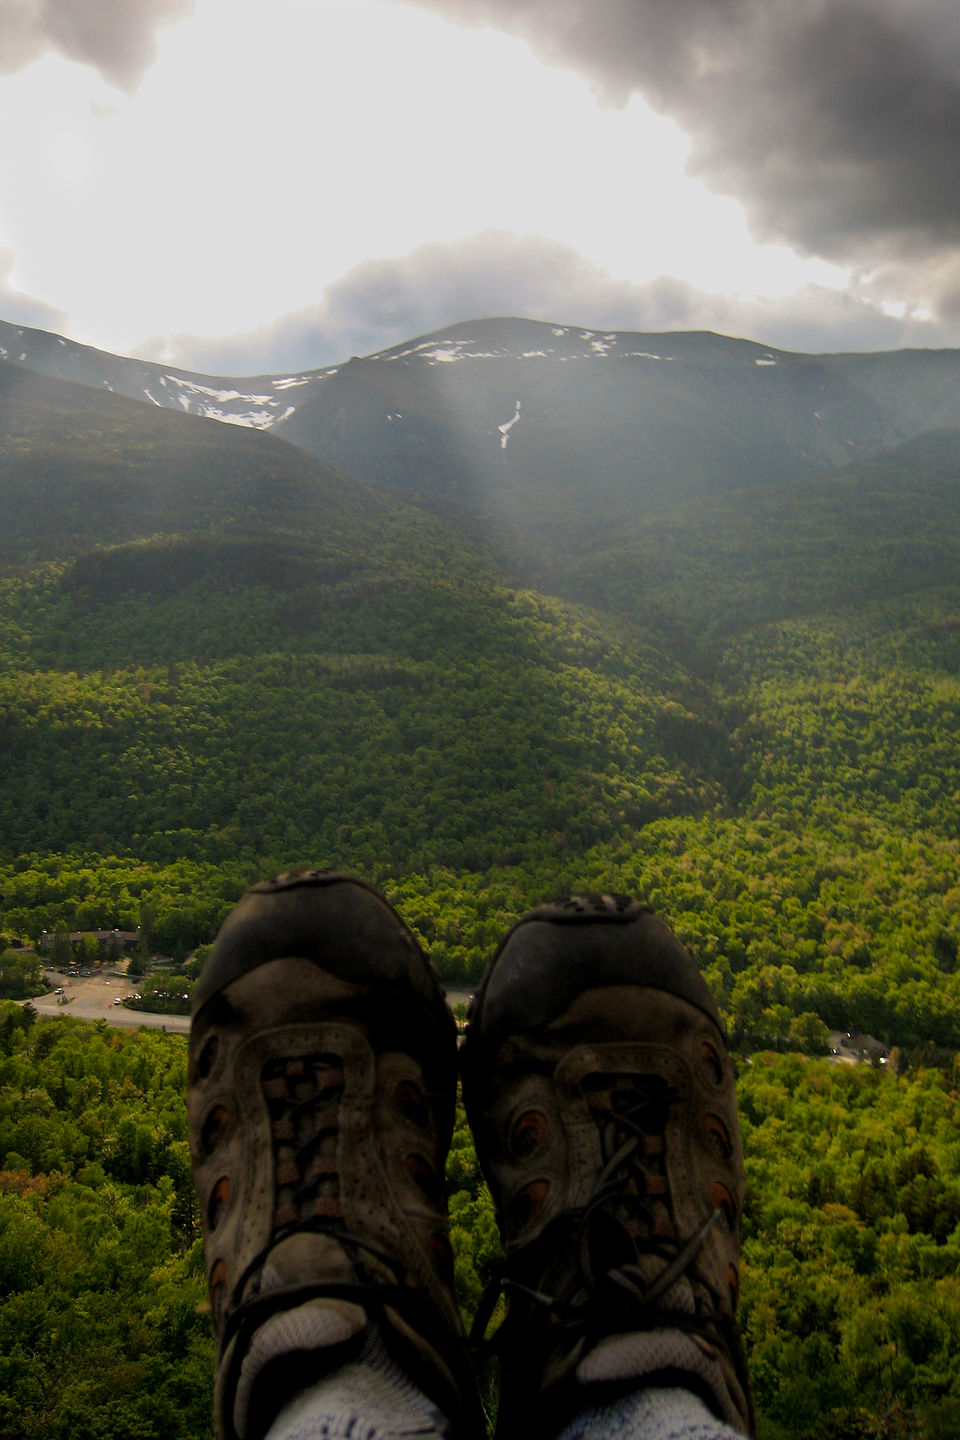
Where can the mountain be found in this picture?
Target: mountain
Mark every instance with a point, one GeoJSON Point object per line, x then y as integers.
{"type": "Point", "coordinates": [552, 441]}
{"type": "Point", "coordinates": [887, 527]}
{"type": "Point", "coordinates": [257, 402]}
{"type": "Point", "coordinates": [732, 687]}
{"type": "Point", "coordinates": [82, 468]}
{"type": "Point", "coordinates": [729, 685]}
{"type": "Point", "coordinates": [558, 440]}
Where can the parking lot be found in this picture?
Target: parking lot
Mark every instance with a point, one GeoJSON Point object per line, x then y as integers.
{"type": "Point", "coordinates": [94, 997]}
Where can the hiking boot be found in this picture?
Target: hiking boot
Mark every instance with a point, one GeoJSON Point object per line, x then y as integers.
{"type": "Point", "coordinates": [321, 1093]}
{"type": "Point", "coordinates": [603, 1106]}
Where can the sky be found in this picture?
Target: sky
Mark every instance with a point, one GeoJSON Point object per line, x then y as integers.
{"type": "Point", "coordinates": [250, 186]}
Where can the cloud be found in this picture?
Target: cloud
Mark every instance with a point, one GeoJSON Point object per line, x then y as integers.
{"type": "Point", "coordinates": [380, 303]}
{"type": "Point", "coordinates": [20, 309]}
{"type": "Point", "coordinates": [835, 122]}
{"type": "Point", "coordinates": [116, 37]}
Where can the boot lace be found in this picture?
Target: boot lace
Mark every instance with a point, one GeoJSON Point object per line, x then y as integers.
{"type": "Point", "coordinates": [303, 1095]}
{"type": "Point", "coordinates": [608, 1266]}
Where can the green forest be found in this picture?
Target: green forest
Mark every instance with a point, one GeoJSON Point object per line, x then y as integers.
{"type": "Point", "coordinates": [219, 659]}
{"type": "Point", "coordinates": [472, 747]}
{"type": "Point", "coordinates": [850, 1299]}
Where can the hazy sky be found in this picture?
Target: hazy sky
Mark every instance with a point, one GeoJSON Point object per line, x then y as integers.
{"type": "Point", "coordinates": [240, 185]}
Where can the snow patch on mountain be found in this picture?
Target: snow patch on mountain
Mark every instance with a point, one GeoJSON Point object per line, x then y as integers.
{"type": "Point", "coordinates": [251, 409]}
{"type": "Point", "coordinates": [446, 349]}
{"type": "Point", "coordinates": [220, 395]}
{"type": "Point", "coordinates": [291, 382]}
{"type": "Point", "coordinates": [506, 428]}
{"type": "Point", "coordinates": [252, 420]}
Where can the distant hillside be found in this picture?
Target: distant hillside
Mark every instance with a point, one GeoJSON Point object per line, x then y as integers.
{"type": "Point", "coordinates": [885, 528]}
{"type": "Point", "coordinates": [735, 692]}
{"type": "Point", "coordinates": [81, 468]}
{"type": "Point", "coordinates": [550, 433]}
{"type": "Point", "coordinates": [670, 616]}
{"type": "Point", "coordinates": [257, 402]}
{"type": "Point", "coordinates": [558, 439]}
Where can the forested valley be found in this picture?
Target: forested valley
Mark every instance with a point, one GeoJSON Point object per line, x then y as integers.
{"type": "Point", "coordinates": [215, 665]}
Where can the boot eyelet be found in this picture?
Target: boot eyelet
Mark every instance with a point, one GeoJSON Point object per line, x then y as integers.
{"type": "Point", "coordinates": [722, 1200]}
{"type": "Point", "coordinates": [412, 1104]}
{"type": "Point", "coordinates": [528, 1134]}
{"type": "Point", "coordinates": [528, 1202]}
{"type": "Point", "coordinates": [219, 1293]}
{"type": "Point", "coordinates": [214, 1129]}
{"type": "Point", "coordinates": [218, 1203]}
{"type": "Point", "coordinates": [711, 1062]}
{"type": "Point", "coordinates": [717, 1136]}
{"type": "Point", "coordinates": [208, 1057]}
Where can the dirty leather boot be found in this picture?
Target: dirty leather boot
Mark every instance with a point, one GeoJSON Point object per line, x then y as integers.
{"type": "Point", "coordinates": [321, 1093]}
{"type": "Point", "coordinates": [603, 1106]}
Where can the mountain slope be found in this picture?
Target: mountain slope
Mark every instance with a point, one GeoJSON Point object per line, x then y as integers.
{"type": "Point", "coordinates": [502, 415]}
{"type": "Point", "coordinates": [231, 650]}
{"type": "Point", "coordinates": [82, 468]}
{"type": "Point", "coordinates": [555, 440]}
{"type": "Point", "coordinates": [218, 657]}
{"type": "Point", "coordinates": [256, 402]}
{"type": "Point", "coordinates": [887, 527]}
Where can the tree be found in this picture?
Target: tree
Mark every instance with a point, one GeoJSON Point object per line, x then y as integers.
{"type": "Point", "coordinates": [809, 1034]}
{"type": "Point", "coordinates": [145, 944]}
{"type": "Point", "coordinates": [89, 950]}
{"type": "Point", "coordinates": [61, 953]}
{"type": "Point", "coordinates": [139, 965]}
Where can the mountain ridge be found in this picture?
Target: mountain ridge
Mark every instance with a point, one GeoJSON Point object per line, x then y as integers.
{"type": "Point", "coordinates": [216, 396]}
{"type": "Point", "coordinates": [220, 657]}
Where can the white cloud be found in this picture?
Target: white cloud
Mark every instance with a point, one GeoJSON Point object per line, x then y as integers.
{"type": "Point", "coordinates": [266, 155]}
{"type": "Point", "coordinates": [380, 303]}
{"type": "Point", "coordinates": [22, 309]}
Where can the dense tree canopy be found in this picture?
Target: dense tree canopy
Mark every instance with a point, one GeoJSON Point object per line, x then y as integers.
{"type": "Point", "coordinates": [744, 712]}
{"type": "Point", "coordinates": [850, 1299]}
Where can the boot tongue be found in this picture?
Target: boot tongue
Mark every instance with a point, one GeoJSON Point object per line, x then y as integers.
{"type": "Point", "coordinates": [314, 1337]}
{"type": "Point", "coordinates": [306, 1253]}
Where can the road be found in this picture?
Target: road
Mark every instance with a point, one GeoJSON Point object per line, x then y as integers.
{"type": "Point", "coordinates": [92, 999]}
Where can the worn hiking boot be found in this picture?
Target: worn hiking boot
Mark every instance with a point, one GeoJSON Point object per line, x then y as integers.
{"type": "Point", "coordinates": [321, 1092]}
{"type": "Point", "coordinates": [603, 1107]}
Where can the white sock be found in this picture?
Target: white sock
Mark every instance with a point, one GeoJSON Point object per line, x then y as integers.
{"type": "Point", "coordinates": [368, 1399]}
{"type": "Point", "coordinates": [650, 1414]}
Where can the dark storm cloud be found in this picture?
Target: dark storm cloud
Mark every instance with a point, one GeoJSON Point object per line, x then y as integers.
{"type": "Point", "coordinates": [383, 302]}
{"type": "Point", "coordinates": [835, 122]}
{"type": "Point", "coordinates": [116, 37]}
